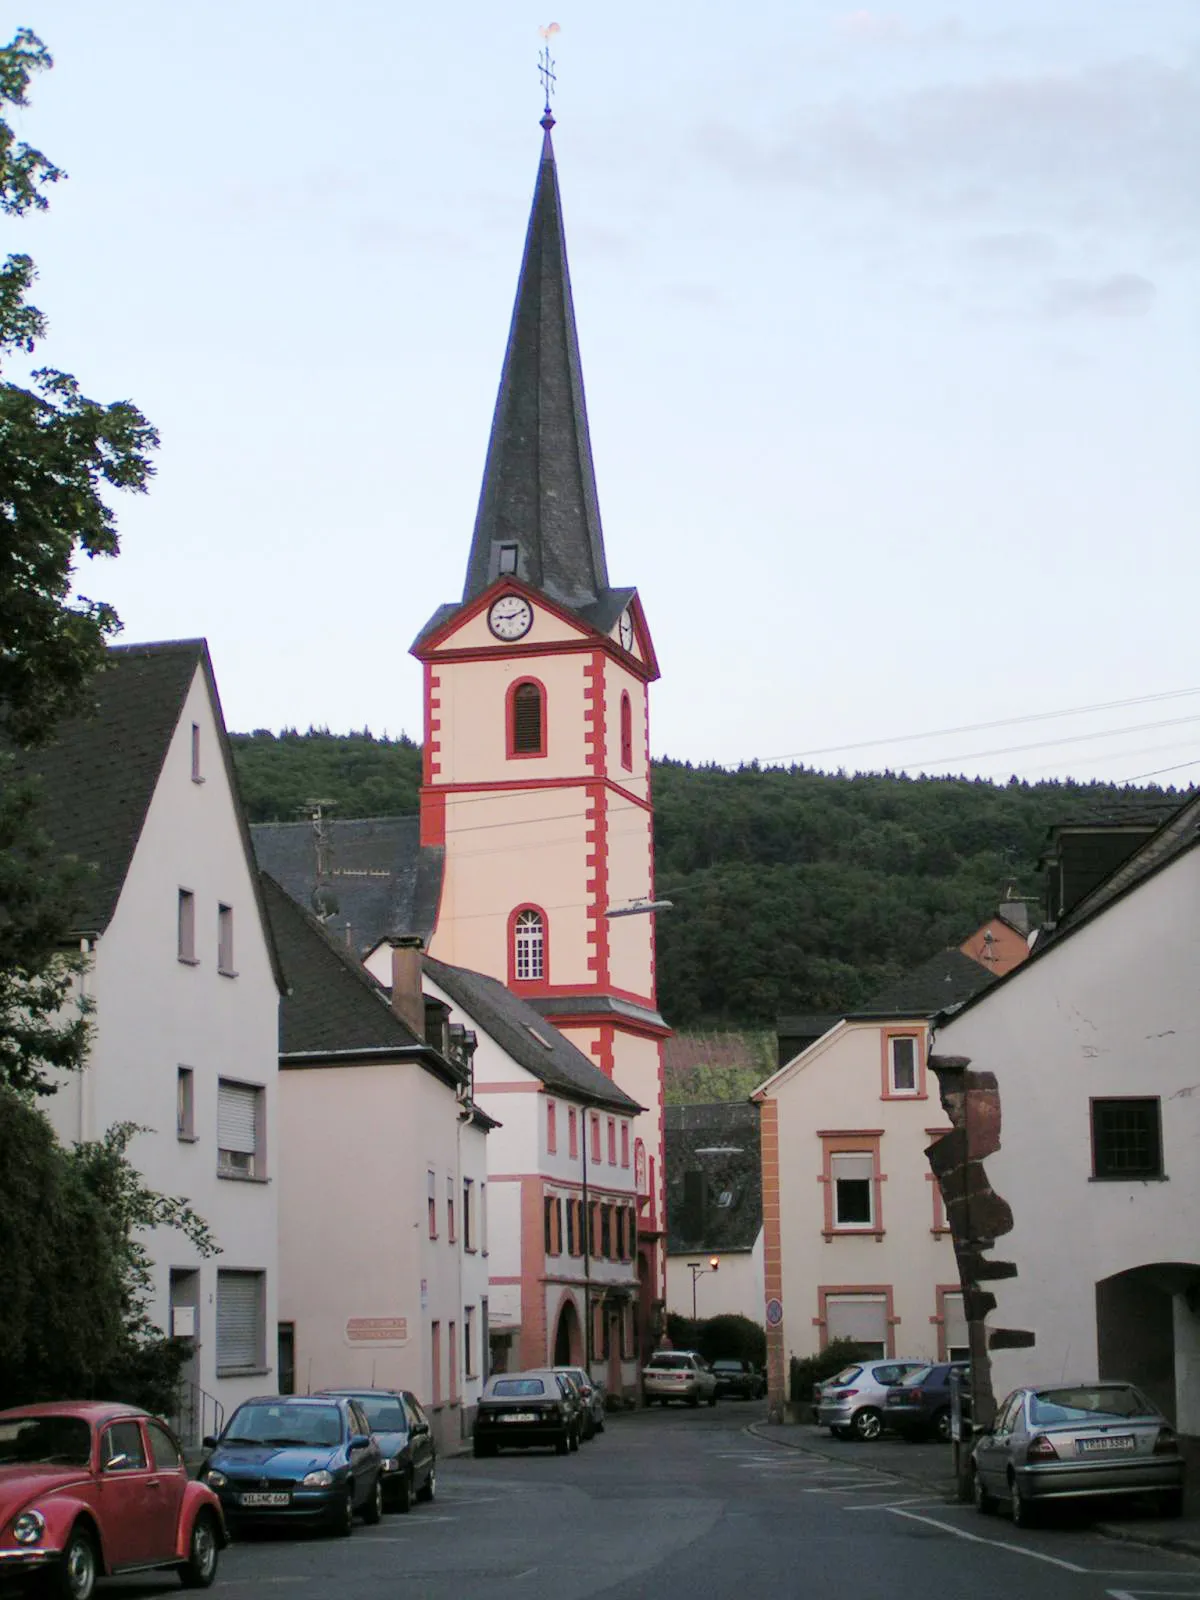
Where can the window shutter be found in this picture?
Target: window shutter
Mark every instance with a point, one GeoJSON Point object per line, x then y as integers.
{"type": "Point", "coordinates": [527, 718]}
{"type": "Point", "coordinates": [237, 1118]}
{"type": "Point", "coordinates": [852, 1166]}
{"type": "Point", "coordinates": [238, 1300]}
{"type": "Point", "coordinates": [862, 1318]}
{"type": "Point", "coordinates": [955, 1324]}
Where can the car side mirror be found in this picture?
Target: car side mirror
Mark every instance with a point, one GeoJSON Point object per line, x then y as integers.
{"type": "Point", "coordinates": [209, 1442]}
{"type": "Point", "coordinates": [359, 1441]}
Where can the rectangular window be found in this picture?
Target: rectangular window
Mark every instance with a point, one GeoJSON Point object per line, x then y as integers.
{"type": "Point", "coordinates": [606, 1232]}
{"type": "Point", "coordinates": [551, 1127]}
{"type": "Point", "coordinates": [240, 1108]}
{"type": "Point", "coordinates": [596, 1140]}
{"type": "Point", "coordinates": [572, 1228]}
{"type": "Point", "coordinates": [432, 1203]}
{"type": "Point", "coordinates": [452, 1361]}
{"type": "Point", "coordinates": [187, 925]}
{"type": "Point", "coordinates": [612, 1141]}
{"type": "Point", "coordinates": [573, 1132]}
{"type": "Point", "coordinates": [450, 1211]}
{"type": "Point", "coordinates": [621, 1256]}
{"type": "Point", "coordinates": [225, 941]}
{"type": "Point", "coordinates": [905, 1078]}
{"type": "Point", "coordinates": [483, 1218]}
{"type": "Point", "coordinates": [954, 1341]}
{"type": "Point", "coordinates": [435, 1343]}
{"type": "Point", "coordinates": [861, 1317]}
{"type": "Point", "coordinates": [853, 1179]}
{"type": "Point", "coordinates": [469, 1341]}
{"type": "Point", "coordinates": [1127, 1138]}
{"type": "Point", "coordinates": [624, 1144]}
{"type": "Point", "coordinates": [241, 1319]}
{"type": "Point", "coordinates": [468, 1214]}
{"type": "Point", "coordinates": [552, 1209]}
{"type": "Point", "coordinates": [185, 1103]}
{"type": "Point", "coordinates": [508, 560]}
{"type": "Point", "coordinates": [197, 775]}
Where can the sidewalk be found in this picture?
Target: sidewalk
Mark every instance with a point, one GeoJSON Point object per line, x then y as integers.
{"type": "Point", "coordinates": [929, 1466]}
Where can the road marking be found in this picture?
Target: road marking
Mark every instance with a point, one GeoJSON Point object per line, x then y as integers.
{"type": "Point", "coordinates": [887, 1505]}
{"type": "Point", "coordinates": [996, 1544]}
{"type": "Point", "coordinates": [1132, 1594]}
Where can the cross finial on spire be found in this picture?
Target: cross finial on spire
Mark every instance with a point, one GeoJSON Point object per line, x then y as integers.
{"type": "Point", "coordinates": [546, 71]}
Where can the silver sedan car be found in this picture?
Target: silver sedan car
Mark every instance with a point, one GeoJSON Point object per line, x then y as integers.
{"type": "Point", "coordinates": [851, 1404]}
{"type": "Point", "coordinates": [1073, 1440]}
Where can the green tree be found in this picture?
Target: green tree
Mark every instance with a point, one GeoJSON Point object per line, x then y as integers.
{"type": "Point", "coordinates": [59, 454]}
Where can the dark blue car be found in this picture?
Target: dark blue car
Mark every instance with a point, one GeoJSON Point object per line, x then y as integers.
{"type": "Point", "coordinates": [286, 1459]}
{"type": "Point", "coordinates": [919, 1407]}
{"type": "Point", "coordinates": [405, 1439]}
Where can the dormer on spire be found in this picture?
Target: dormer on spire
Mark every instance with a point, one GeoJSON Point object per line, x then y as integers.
{"type": "Point", "coordinates": [539, 515]}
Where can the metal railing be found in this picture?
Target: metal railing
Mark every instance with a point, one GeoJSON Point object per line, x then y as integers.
{"type": "Point", "coordinates": [197, 1414]}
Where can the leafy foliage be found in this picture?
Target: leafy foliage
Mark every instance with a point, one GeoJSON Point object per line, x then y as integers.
{"type": "Point", "coordinates": [793, 890]}
{"type": "Point", "coordinates": [728, 1337]}
{"type": "Point", "coordinates": [805, 1371]}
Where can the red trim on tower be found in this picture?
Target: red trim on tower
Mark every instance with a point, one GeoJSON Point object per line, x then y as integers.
{"type": "Point", "coordinates": [433, 817]}
{"type": "Point", "coordinates": [510, 724]}
{"type": "Point", "coordinates": [514, 785]}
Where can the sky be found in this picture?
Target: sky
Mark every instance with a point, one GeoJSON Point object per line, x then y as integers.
{"type": "Point", "coordinates": [889, 322]}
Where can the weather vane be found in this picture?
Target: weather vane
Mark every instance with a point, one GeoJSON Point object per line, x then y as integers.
{"type": "Point", "coordinates": [546, 70]}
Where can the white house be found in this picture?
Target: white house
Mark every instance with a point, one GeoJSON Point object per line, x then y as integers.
{"type": "Point", "coordinates": [1071, 1175]}
{"type": "Point", "coordinates": [563, 1176]}
{"type": "Point", "coordinates": [185, 984]}
{"type": "Point", "coordinates": [857, 1243]}
{"type": "Point", "coordinates": [714, 1209]}
{"type": "Point", "coordinates": [383, 1197]}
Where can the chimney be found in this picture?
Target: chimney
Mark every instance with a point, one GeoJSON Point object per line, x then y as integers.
{"type": "Point", "coordinates": [408, 1001]}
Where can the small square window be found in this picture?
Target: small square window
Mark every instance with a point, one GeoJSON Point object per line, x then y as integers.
{"type": "Point", "coordinates": [904, 1064]}
{"type": "Point", "coordinates": [508, 559]}
{"type": "Point", "coordinates": [1127, 1138]}
{"type": "Point", "coordinates": [853, 1178]}
{"type": "Point", "coordinates": [240, 1130]}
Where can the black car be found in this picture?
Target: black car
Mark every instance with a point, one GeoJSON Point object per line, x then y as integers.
{"type": "Point", "coordinates": [919, 1408]}
{"type": "Point", "coordinates": [405, 1438]}
{"type": "Point", "coordinates": [738, 1378]}
{"type": "Point", "coordinates": [520, 1409]}
{"type": "Point", "coordinates": [296, 1459]}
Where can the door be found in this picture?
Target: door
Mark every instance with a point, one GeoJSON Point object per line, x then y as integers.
{"type": "Point", "coordinates": [131, 1496]}
{"type": "Point", "coordinates": [991, 1452]}
{"type": "Point", "coordinates": [167, 1462]}
{"type": "Point", "coordinates": [421, 1434]}
{"type": "Point", "coordinates": [363, 1460]}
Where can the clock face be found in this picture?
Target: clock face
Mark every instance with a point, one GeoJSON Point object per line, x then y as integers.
{"type": "Point", "coordinates": [625, 629]}
{"type": "Point", "coordinates": [510, 617]}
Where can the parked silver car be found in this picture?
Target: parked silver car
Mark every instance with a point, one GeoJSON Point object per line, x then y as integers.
{"type": "Point", "coordinates": [851, 1404]}
{"type": "Point", "coordinates": [593, 1396]}
{"type": "Point", "coordinates": [678, 1375]}
{"type": "Point", "coordinates": [1069, 1441]}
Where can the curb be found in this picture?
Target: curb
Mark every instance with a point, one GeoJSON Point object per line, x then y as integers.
{"type": "Point", "coordinates": [942, 1490]}
{"type": "Point", "coordinates": [1127, 1533]}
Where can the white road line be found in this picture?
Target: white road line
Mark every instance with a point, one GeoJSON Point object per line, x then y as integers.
{"type": "Point", "coordinates": [996, 1544]}
{"type": "Point", "coordinates": [887, 1505]}
{"type": "Point", "coordinates": [1133, 1594]}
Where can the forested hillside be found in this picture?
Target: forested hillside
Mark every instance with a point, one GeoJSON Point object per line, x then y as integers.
{"type": "Point", "coordinates": [793, 890]}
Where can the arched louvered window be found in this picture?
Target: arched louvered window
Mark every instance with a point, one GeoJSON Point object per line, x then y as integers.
{"type": "Point", "coordinates": [626, 733]}
{"type": "Point", "coordinates": [528, 960]}
{"type": "Point", "coordinates": [527, 719]}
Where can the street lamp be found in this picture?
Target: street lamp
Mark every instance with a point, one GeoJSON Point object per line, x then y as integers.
{"type": "Point", "coordinates": [698, 1271]}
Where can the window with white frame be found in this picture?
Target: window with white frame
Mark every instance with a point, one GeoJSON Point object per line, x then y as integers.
{"type": "Point", "coordinates": [240, 1152]}
{"type": "Point", "coordinates": [904, 1063]}
{"type": "Point", "coordinates": [853, 1178]}
{"type": "Point", "coordinates": [241, 1321]}
{"type": "Point", "coordinates": [956, 1341]}
{"type": "Point", "coordinates": [529, 947]}
{"type": "Point", "coordinates": [861, 1317]}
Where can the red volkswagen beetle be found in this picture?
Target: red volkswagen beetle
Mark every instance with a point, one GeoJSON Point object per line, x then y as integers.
{"type": "Point", "coordinates": [88, 1489]}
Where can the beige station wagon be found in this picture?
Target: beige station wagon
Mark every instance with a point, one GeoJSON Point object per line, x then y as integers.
{"type": "Point", "coordinates": [678, 1375]}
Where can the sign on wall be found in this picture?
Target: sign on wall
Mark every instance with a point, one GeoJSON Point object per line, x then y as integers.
{"type": "Point", "coordinates": [377, 1330]}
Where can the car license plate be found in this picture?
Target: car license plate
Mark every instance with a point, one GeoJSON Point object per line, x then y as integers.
{"type": "Point", "coordinates": [1109, 1444]}
{"type": "Point", "coordinates": [265, 1499]}
{"type": "Point", "coordinates": [519, 1416]}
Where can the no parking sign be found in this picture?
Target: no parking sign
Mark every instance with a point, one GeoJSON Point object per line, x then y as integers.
{"type": "Point", "coordinates": [774, 1313]}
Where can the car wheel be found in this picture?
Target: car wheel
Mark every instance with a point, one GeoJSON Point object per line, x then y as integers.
{"type": "Point", "coordinates": [841, 1433]}
{"type": "Point", "coordinates": [712, 1399]}
{"type": "Point", "coordinates": [599, 1424]}
{"type": "Point", "coordinates": [1021, 1509]}
{"type": "Point", "coordinates": [693, 1399]}
{"type": "Point", "coordinates": [373, 1510]}
{"type": "Point", "coordinates": [428, 1490]}
{"type": "Point", "coordinates": [342, 1523]}
{"type": "Point", "coordinates": [1172, 1503]}
{"type": "Point", "coordinates": [573, 1440]}
{"type": "Point", "coordinates": [73, 1576]}
{"type": "Point", "coordinates": [200, 1568]}
{"type": "Point", "coordinates": [866, 1424]}
{"type": "Point", "coordinates": [482, 1450]}
{"type": "Point", "coordinates": [402, 1495]}
{"type": "Point", "coordinates": [985, 1503]}
{"type": "Point", "coordinates": [562, 1444]}
{"type": "Point", "coordinates": [663, 1402]}
{"type": "Point", "coordinates": [941, 1426]}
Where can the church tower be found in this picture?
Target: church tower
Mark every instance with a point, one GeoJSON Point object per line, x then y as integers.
{"type": "Point", "coordinates": [537, 758]}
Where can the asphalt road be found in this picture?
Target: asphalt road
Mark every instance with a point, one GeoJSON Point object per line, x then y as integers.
{"type": "Point", "coordinates": [687, 1504]}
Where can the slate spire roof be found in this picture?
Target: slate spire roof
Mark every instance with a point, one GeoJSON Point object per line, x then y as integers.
{"type": "Point", "coordinates": [539, 485]}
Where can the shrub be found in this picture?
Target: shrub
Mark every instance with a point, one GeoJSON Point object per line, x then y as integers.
{"type": "Point", "coordinates": [806, 1370]}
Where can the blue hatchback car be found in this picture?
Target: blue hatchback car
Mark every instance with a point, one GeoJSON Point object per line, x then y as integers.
{"type": "Point", "coordinates": [306, 1459]}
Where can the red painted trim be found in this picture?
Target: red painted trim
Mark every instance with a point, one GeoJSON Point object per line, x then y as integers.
{"type": "Point", "coordinates": [515, 785]}
{"type": "Point", "coordinates": [433, 816]}
{"type": "Point", "coordinates": [551, 1127]}
{"type": "Point", "coordinates": [527, 985]}
{"type": "Point", "coordinates": [917, 1032]}
{"type": "Point", "coordinates": [509, 1088]}
{"type": "Point", "coordinates": [552, 647]}
{"type": "Point", "coordinates": [510, 728]}
{"type": "Point", "coordinates": [851, 1144]}
{"type": "Point", "coordinates": [626, 731]}
{"type": "Point", "coordinates": [884, 1290]}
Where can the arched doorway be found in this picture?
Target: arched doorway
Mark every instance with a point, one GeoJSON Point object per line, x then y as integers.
{"type": "Point", "coordinates": [1148, 1332]}
{"type": "Point", "coordinates": [568, 1337]}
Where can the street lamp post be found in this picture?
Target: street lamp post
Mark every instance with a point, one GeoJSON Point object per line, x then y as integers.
{"type": "Point", "coordinates": [698, 1271]}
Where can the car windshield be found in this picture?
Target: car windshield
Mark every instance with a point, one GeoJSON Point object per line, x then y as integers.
{"type": "Point", "coordinates": [915, 1379]}
{"type": "Point", "coordinates": [384, 1412]}
{"type": "Point", "coordinates": [280, 1423]}
{"type": "Point", "coordinates": [662, 1360]}
{"type": "Point", "coordinates": [48, 1441]}
{"type": "Point", "coordinates": [1086, 1404]}
{"type": "Point", "coordinates": [508, 1387]}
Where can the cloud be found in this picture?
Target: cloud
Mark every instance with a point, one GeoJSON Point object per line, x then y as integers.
{"type": "Point", "coordinates": [1026, 248]}
{"type": "Point", "coordinates": [869, 25]}
{"type": "Point", "coordinates": [1124, 294]}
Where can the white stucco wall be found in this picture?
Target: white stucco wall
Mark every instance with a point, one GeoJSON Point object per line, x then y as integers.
{"type": "Point", "coordinates": [1112, 1011]}
{"type": "Point", "coordinates": [155, 1014]}
{"type": "Point", "coordinates": [735, 1289]}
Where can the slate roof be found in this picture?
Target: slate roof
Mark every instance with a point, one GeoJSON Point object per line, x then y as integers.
{"type": "Point", "coordinates": [334, 1007]}
{"type": "Point", "coordinates": [517, 1028]}
{"type": "Point", "coordinates": [99, 773]}
{"type": "Point", "coordinates": [719, 1207]}
{"type": "Point", "coordinates": [946, 979]}
{"type": "Point", "coordinates": [383, 880]}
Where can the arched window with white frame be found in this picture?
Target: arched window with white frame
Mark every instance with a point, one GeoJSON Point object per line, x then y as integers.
{"type": "Point", "coordinates": [528, 955]}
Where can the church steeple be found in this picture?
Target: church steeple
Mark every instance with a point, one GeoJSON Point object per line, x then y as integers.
{"type": "Point", "coordinates": [539, 485]}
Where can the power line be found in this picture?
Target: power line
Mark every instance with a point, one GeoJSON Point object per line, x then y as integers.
{"type": "Point", "coordinates": [1158, 771]}
{"type": "Point", "coordinates": [1045, 744]}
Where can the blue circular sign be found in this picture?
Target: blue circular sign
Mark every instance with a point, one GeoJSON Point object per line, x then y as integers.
{"type": "Point", "coordinates": [774, 1313]}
